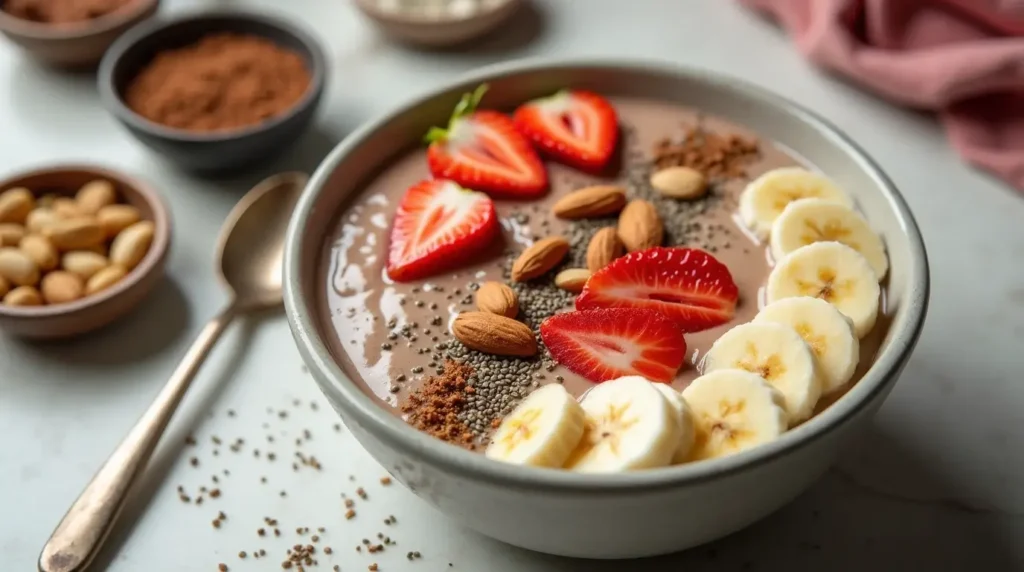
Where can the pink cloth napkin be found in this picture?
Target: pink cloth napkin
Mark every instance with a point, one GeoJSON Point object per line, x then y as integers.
{"type": "Point", "coordinates": [963, 59]}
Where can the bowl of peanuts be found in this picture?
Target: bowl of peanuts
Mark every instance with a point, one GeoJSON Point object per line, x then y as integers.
{"type": "Point", "coordinates": [80, 246]}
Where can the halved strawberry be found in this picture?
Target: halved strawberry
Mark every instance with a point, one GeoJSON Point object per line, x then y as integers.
{"type": "Point", "coordinates": [437, 225]}
{"type": "Point", "coordinates": [579, 128]}
{"type": "Point", "coordinates": [687, 285]}
{"type": "Point", "coordinates": [610, 343]}
{"type": "Point", "coordinates": [482, 150]}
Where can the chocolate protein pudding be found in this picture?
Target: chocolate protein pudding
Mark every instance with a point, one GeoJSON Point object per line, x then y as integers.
{"type": "Point", "coordinates": [395, 339]}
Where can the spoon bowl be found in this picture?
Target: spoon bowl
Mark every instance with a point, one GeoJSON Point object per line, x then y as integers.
{"type": "Point", "coordinates": [250, 250]}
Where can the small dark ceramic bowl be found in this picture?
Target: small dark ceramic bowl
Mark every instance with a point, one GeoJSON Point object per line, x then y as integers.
{"type": "Point", "coordinates": [99, 309]}
{"type": "Point", "coordinates": [210, 151]}
{"type": "Point", "coordinates": [78, 44]}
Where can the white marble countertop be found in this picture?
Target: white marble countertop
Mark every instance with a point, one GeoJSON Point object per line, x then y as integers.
{"type": "Point", "coordinates": [936, 484]}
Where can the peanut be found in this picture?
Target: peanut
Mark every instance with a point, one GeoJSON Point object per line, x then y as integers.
{"type": "Point", "coordinates": [104, 279]}
{"type": "Point", "coordinates": [84, 263]}
{"type": "Point", "coordinates": [95, 195]}
{"type": "Point", "coordinates": [131, 244]}
{"type": "Point", "coordinates": [115, 218]}
{"type": "Point", "coordinates": [41, 251]}
{"type": "Point", "coordinates": [75, 233]}
{"type": "Point", "coordinates": [65, 207]}
{"type": "Point", "coordinates": [39, 219]}
{"type": "Point", "coordinates": [15, 204]}
{"type": "Point", "coordinates": [17, 267]}
{"type": "Point", "coordinates": [11, 233]}
{"type": "Point", "coordinates": [23, 296]}
{"type": "Point", "coordinates": [61, 286]}
{"type": "Point", "coordinates": [46, 201]}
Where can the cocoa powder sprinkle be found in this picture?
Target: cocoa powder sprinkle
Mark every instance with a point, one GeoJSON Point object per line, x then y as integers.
{"type": "Point", "coordinates": [715, 155]}
{"type": "Point", "coordinates": [224, 81]}
{"type": "Point", "coordinates": [434, 408]}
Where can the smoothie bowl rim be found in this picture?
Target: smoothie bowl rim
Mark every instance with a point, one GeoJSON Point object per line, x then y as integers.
{"type": "Point", "coordinates": [416, 445]}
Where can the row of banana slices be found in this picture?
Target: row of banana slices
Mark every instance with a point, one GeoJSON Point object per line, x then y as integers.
{"type": "Point", "coordinates": [630, 423]}
{"type": "Point", "coordinates": [760, 378]}
{"type": "Point", "coordinates": [621, 425]}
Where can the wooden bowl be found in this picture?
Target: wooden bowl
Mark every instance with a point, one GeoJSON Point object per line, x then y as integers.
{"type": "Point", "coordinates": [95, 311]}
{"type": "Point", "coordinates": [78, 44]}
{"type": "Point", "coordinates": [438, 32]}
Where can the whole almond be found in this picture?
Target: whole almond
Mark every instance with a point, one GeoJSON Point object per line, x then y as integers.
{"type": "Point", "coordinates": [61, 287]}
{"type": "Point", "coordinates": [104, 279]}
{"type": "Point", "coordinates": [640, 226]}
{"type": "Point", "coordinates": [66, 207]}
{"type": "Point", "coordinates": [39, 219]}
{"type": "Point", "coordinates": [604, 247]}
{"type": "Point", "coordinates": [95, 195]}
{"type": "Point", "coordinates": [24, 296]}
{"type": "Point", "coordinates": [11, 233]}
{"type": "Point", "coordinates": [74, 233]}
{"type": "Point", "coordinates": [599, 200]}
{"type": "Point", "coordinates": [539, 257]}
{"type": "Point", "coordinates": [5, 287]}
{"type": "Point", "coordinates": [84, 263]}
{"type": "Point", "coordinates": [115, 218]}
{"type": "Point", "coordinates": [680, 183]}
{"type": "Point", "coordinates": [572, 279]}
{"type": "Point", "coordinates": [131, 244]}
{"type": "Point", "coordinates": [17, 267]}
{"type": "Point", "coordinates": [15, 204]}
{"type": "Point", "coordinates": [497, 298]}
{"type": "Point", "coordinates": [41, 251]}
{"type": "Point", "coordinates": [493, 334]}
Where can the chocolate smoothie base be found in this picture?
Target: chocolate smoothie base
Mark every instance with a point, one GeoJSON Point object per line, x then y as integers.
{"type": "Point", "coordinates": [386, 333]}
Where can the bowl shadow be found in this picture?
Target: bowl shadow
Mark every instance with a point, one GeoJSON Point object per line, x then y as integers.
{"type": "Point", "coordinates": [305, 155]}
{"type": "Point", "coordinates": [157, 322]}
{"type": "Point", "coordinates": [854, 518]}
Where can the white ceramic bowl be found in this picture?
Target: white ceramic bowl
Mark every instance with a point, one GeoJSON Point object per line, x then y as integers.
{"type": "Point", "coordinates": [439, 32]}
{"type": "Point", "coordinates": [622, 515]}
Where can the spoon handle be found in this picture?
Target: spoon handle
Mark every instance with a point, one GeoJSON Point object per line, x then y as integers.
{"type": "Point", "coordinates": [79, 536]}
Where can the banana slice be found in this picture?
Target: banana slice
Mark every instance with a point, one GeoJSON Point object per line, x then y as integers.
{"type": "Point", "coordinates": [764, 199]}
{"type": "Point", "coordinates": [776, 353]}
{"type": "Point", "coordinates": [733, 410]}
{"type": "Point", "coordinates": [825, 329]}
{"type": "Point", "coordinates": [542, 431]}
{"type": "Point", "coordinates": [629, 425]}
{"type": "Point", "coordinates": [807, 221]}
{"type": "Point", "coordinates": [685, 415]}
{"type": "Point", "coordinates": [833, 272]}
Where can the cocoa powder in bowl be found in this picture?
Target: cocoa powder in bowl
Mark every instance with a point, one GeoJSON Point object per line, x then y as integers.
{"type": "Point", "coordinates": [222, 82]}
{"type": "Point", "coordinates": [61, 11]}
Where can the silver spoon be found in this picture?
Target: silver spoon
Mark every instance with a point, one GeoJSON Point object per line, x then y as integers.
{"type": "Point", "coordinates": [250, 250]}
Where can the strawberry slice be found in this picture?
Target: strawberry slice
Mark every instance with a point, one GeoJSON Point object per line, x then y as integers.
{"type": "Point", "coordinates": [578, 128]}
{"type": "Point", "coordinates": [610, 343]}
{"type": "Point", "coordinates": [482, 150]}
{"type": "Point", "coordinates": [438, 224]}
{"type": "Point", "coordinates": [687, 285]}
